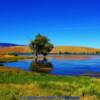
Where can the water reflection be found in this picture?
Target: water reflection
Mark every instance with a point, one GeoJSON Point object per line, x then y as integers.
{"type": "Point", "coordinates": [1, 64]}
{"type": "Point", "coordinates": [41, 66]}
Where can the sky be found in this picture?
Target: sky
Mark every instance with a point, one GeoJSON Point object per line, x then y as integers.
{"type": "Point", "coordinates": [64, 22]}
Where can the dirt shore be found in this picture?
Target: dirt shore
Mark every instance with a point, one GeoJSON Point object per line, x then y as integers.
{"type": "Point", "coordinates": [9, 69]}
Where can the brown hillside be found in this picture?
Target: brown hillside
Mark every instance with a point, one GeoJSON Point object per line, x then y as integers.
{"type": "Point", "coordinates": [71, 49]}
{"type": "Point", "coordinates": [18, 49]}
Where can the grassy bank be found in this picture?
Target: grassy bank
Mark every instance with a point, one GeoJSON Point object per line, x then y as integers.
{"type": "Point", "coordinates": [8, 69]}
{"type": "Point", "coordinates": [13, 85]}
{"type": "Point", "coordinates": [14, 58]}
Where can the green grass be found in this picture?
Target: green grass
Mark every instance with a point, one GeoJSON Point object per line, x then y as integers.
{"type": "Point", "coordinates": [15, 58]}
{"type": "Point", "coordinates": [13, 85]}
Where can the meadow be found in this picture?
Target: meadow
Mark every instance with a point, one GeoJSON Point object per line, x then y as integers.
{"type": "Point", "coordinates": [14, 84]}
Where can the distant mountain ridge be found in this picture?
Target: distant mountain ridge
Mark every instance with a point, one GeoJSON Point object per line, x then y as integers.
{"type": "Point", "coordinates": [8, 44]}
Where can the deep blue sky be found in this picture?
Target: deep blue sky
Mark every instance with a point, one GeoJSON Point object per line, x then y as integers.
{"type": "Point", "coordinates": [65, 22]}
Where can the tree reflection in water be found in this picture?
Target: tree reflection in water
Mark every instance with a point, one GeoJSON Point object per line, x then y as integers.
{"type": "Point", "coordinates": [43, 66]}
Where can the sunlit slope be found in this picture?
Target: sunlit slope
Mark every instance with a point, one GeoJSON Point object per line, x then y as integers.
{"type": "Point", "coordinates": [62, 49]}
{"type": "Point", "coordinates": [74, 49]}
{"type": "Point", "coordinates": [18, 49]}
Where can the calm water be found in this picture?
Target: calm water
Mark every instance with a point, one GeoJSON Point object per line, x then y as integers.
{"type": "Point", "coordinates": [64, 66]}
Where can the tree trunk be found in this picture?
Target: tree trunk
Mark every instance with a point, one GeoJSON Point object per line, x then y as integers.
{"type": "Point", "coordinates": [44, 56]}
{"type": "Point", "coordinates": [36, 60]}
{"type": "Point", "coordinates": [36, 54]}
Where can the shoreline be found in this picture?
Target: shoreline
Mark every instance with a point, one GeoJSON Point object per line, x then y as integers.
{"type": "Point", "coordinates": [10, 69]}
{"type": "Point", "coordinates": [72, 57]}
{"type": "Point", "coordinates": [18, 70]}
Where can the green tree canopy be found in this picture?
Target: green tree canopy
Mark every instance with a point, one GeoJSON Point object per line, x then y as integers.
{"type": "Point", "coordinates": [41, 45]}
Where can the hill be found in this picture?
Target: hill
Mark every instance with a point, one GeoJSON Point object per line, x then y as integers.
{"type": "Point", "coordinates": [7, 44]}
{"type": "Point", "coordinates": [18, 49]}
{"type": "Point", "coordinates": [58, 49]}
{"type": "Point", "coordinates": [74, 49]}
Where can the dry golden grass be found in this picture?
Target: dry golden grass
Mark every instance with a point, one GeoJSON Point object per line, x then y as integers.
{"type": "Point", "coordinates": [63, 49]}
{"type": "Point", "coordinates": [18, 49]}
{"type": "Point", "coordinates": [74, 49]}
{"type": "Point", "coordinates": [18, 91]}
{"type": "Point", "coordinates": [8, 69]}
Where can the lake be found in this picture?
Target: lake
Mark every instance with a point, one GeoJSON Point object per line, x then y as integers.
{"type": "Point", "coordinates": [65, 65]}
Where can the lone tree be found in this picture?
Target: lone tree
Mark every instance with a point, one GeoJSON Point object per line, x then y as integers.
{"type": "Point", "coordinates": [41, 45]}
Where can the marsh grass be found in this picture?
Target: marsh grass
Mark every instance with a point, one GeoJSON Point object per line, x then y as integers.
{"type": "Point", "coordinates": [13, 85]}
